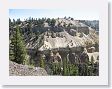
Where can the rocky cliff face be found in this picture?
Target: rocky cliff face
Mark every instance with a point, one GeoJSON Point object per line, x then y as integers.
{"type": "Point", "coordinates": [63, 34]}
{"type": "Point", "coordinates": [25, 70]}
{"type": "Point", "coordinates": [65, 40]}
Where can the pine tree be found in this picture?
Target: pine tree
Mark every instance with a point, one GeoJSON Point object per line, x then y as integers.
{"type": "Point", "coordinates": [73, 70]}
{"type": "Point", "coordinates": [14, 22]}
{"type": "Point", "coordinates": [18, 52]}
{"type": "Point", "coordinates": [92, 65]}
{"type": "Point", "coordinates": [10, 23]}
{"type": "Point", "coordinates": [42, 63]}
{"type": "Point", "coordinates": [18, 21]}
{"type": "Point", "coordinates": [53, 21]}
{"type": "Point", "coordinates": [65, 66]}
{"type": "Point", "coordinates": [48, 21]}
{"type": "Point", "coordinates": [56, 68]}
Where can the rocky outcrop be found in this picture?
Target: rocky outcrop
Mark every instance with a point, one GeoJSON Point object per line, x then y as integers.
{"type": "Point", "coordinates": [95, 56]}
{"type": "Point", "coordinates": [62, 36]}
{"type": "Point", "coordinates": [25, 70]}
{"type": "Point", "coordinates": [69, 41]}
{"type": "Point", "coordinates": [72, 32]}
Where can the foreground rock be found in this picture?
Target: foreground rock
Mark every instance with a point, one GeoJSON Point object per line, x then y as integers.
{"type": "Point", "coordinates": [24, 70]}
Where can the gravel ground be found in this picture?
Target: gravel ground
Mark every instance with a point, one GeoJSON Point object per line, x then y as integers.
{"type": "Point", "coordinates": [25, 70]}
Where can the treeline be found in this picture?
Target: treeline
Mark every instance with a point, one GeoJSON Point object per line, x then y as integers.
{"type": "Point", "coordinates": [36, 26]}
{"type": "Point", "coordinates": [39, 22]}
{"type": "Point", "coordinates": [69, 69]}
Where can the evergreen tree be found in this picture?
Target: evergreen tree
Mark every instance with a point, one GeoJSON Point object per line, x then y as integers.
{"type": "Point", "coordinates": [56, 68]}
{"type": "Point", "coordinates": [18, 21]}
{"type": "Point", "coordinates": [65, 67]}
{"type": "Point", "coordinates": [92, 60]}
{"type": "Point", "coordinates": [92, 66]}
{"type": "Point", "coordinates": [48, 21]}
{"type": "Point", "coordinates": [40, 22]}
{"type": "Point", "coordinates": [30, 32]}
{"type": "Point", "coordinates": [42, 62]}
{"type": "Point", "coordinates": [73, 70]}
{"type": "Point", "coordinates": [18, 52]}
{"type": "Point", "coordinates": [53, 21]}
{"type": "Point", "coordinates": [10, 23]}
{"type": "Point", "coordinates": [69, 69]}
{"type": "Point", "coordinates": [14, 22]}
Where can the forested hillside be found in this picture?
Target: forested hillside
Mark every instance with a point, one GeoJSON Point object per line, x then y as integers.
{"type": "Point", "coordinates": [61, 46]}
